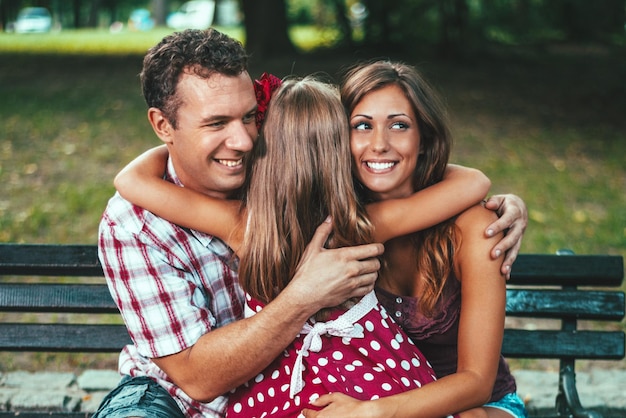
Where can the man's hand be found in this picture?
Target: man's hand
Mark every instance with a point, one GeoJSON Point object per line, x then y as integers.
{"type": "Point", "coordinates": [328, 278]}
{"type": "Point", "coordinates": [513, 219]}
{"type": "Point", "coordinates": [324, 278]}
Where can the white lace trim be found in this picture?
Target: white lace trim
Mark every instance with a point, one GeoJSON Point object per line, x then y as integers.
{"type": "Point", "coordinates": [343, 327]}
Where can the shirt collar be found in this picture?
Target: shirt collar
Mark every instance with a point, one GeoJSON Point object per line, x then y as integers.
{"type": "Point", "coordinates": [170, 175]}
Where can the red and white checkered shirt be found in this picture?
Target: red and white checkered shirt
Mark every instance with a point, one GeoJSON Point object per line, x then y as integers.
{"type": "Point", "coordinates": [172, 285]}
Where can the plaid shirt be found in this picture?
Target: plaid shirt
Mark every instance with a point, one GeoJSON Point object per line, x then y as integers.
{"type": "Point", "coordinates": [172, 285]}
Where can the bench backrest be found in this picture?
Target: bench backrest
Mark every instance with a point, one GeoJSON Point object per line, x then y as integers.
{"type": "Point", "coordinates": [570, 288]}
{"type": "Point", "coordinates": [28, 262]}
{"type": "Point", "coordinates": [541, 286]}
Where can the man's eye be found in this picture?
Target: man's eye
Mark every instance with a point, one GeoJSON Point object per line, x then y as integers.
{"type": "Point", "coordinates": [249, 118]}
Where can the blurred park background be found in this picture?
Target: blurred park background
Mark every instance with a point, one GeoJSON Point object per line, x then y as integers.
{"type": "Point", "coordinates": [536, 91]}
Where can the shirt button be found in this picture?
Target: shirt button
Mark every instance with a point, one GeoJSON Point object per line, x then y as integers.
{"type": "Point", "coordinates": [398, 300]}
{"type": "Point", "coordinates": [398, 314]}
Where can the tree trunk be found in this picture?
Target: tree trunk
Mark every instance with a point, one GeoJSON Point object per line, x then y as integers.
{"type": "Point", "coordinates": [265, 22]}
{"type": "Point", "coordinates": [111, 6]}
{"type": "Point", "coordinates": [377, 23]}
{"type": "Point", "coordinates": [4, 14]}
{"type": "Point", "coordinates": [343, 21]}
{"type": "Point", "coordinates": [76, 6]}
{"type": "Point", "coordinates": [453, 20]}
{"type": "Point", "coordinates": [94, 13]}
{"type": "Point", "coordinates": [160, 9]}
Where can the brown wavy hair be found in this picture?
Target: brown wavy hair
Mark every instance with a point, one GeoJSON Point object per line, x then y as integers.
{"type": "Point", "coordinates": [434, 247]}
{"type": "Point", "coordinates": [301, 175]}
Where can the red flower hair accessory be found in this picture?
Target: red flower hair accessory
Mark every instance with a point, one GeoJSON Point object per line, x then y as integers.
{"type": "Point", "coordinates": [263, 88]}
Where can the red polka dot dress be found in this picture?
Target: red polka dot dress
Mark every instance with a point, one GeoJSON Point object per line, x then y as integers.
{"type": "Point", "coordinates": [361, 352]}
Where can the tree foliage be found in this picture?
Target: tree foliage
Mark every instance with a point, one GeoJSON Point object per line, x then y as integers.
{"type": "Point", "coordinates": [455, 25]}
{"type": "Point", "coordinates": [449, 26]}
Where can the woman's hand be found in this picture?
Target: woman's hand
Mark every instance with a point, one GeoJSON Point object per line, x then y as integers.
{"type": "Point", "coordinates": [343, 406]}
{"type": "Point", "coordinates": [513, 219]}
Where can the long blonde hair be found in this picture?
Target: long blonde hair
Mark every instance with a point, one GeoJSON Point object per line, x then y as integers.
{"type": "Point", "coordinates": [301, 175]}
{"type": "Point", "coordinates": [434, 247]}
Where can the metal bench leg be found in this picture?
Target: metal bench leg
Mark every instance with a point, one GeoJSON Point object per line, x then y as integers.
{"type": "Point", "coordinates": [567, 401]}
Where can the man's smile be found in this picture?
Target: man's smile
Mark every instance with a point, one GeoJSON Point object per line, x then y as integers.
{"type": "Point", "coordinates": [230, 163]}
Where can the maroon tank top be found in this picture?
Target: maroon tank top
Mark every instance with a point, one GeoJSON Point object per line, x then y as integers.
{"type": "Point", "coordinates": [436, 336]}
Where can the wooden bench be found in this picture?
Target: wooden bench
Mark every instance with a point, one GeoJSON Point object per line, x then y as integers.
{"type": "Point", "coordinates": [23, 290]}
{"type": "Point", "coordinates": [542, 286]}
{"type": "Point", "coordinates": [557, 287]}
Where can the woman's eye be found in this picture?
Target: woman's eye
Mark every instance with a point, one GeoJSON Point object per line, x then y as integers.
{"type": "Point", "coordinates": [399, 125]}
{"type": "Point", "coordinates": [361, 126]}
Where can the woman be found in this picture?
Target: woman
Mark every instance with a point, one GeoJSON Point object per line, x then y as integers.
{"type": "Point", "coordinates": [442, 289]}
{"type": "Point", "coordinates": [305, 142]}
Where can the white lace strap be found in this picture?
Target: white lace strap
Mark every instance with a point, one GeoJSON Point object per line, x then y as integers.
{"type": "Point", "coordinates": [343, 326]}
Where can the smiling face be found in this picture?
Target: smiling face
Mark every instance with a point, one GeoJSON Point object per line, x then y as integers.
{"type": "Point", "coordinates": [215, 132]}
{"type": "Point", "coordinates": [385, 142]}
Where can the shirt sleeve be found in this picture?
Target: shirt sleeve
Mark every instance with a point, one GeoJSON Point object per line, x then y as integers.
{"type": "Point", "coordinates": [163, 306]}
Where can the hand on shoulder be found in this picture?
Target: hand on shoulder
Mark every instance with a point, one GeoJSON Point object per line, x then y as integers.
{"type": "Point", "coordinates": [475, 219]}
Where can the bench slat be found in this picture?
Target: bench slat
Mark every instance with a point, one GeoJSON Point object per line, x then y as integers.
{"type": "Point", "coordinates": [591, 345]}
{"type": "Point", "coordinates": [577, 304]}
{"type": "Point", "coordinates": [63, 337]}
{"type": "Point", "coordinates": [49, 260]}
{"type": "Point", "coordinates": [565, 270]}
{"type": "Point", "coordinates": [95, 298]}
{"type": "Point", "coordinates": [542, 269]}
{"type": "Point", "coordinates": [52, 297]}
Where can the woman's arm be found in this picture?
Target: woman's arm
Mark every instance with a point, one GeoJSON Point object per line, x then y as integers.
{"type": "Point", "coordinates": [481, 327]}
{"type": "Point", "coordinates": [141, 183]}
{"type": "Point", "coordinates": [461, 188]}
{"type": "Point", "coordinates": [483, 296]}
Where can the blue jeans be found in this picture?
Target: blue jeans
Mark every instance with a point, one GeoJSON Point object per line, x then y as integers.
{"type": "Point", "coordinates": [138, 397]}
{"type": "Point", "coordinates": [510, 403]}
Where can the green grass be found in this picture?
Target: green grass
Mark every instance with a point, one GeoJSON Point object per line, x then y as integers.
{"type": "Point", "coordinates": [548, 126]}
{"type": "Point", "coordinates": [90, 41]}
{"type": "Point", "coordinates": [102, 41]}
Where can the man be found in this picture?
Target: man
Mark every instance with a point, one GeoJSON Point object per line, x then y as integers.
{"type": "Point", "coordinates": [177, 288]}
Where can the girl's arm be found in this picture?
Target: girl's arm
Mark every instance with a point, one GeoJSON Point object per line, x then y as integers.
{"type": "Point", "coordinates": [141, 183]}
{"type": "Point", "coordinates": [461, 188]}
{"type": "Point", "coordinates": [481, 329]}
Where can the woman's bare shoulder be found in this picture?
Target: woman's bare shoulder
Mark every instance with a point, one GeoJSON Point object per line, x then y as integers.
{"type": "Point", "coordinates": [476, 217]}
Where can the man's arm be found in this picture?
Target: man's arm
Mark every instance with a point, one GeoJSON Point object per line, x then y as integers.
{"type": "Point", "coordinates": [513, 219]}
{"type": "Point", "coordinates": [227, 357]}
